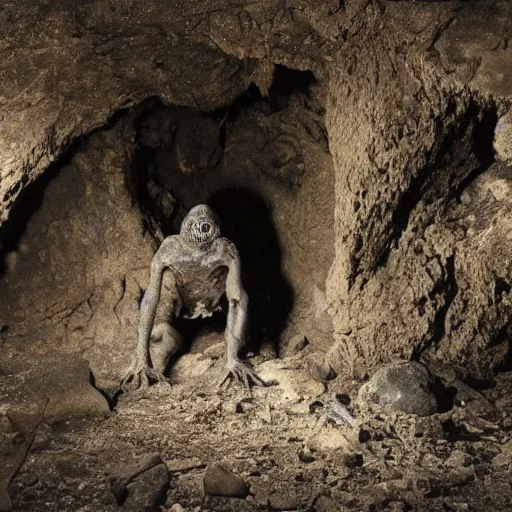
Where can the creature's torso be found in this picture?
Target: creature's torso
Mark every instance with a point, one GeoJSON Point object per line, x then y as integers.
{"type": "Point", "coordinates": [200, 276]}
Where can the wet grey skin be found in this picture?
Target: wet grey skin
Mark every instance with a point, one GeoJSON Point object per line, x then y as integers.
{"type": "Point", "coordinates": [204, 267]}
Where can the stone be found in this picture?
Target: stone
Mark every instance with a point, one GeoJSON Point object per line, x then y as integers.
{"type": "Point", "coordinates": [67, 384]}
{"type": "Point", "coordinates": [294, 381]}
{"type": "Point", "coordinates": [325, 372]}
{"type": "Point", "coordinates": [306, 456]}
{"type": "Point", "coordinates": [504, 458]}
{"type": "Point", "coordinates": [282, 500]}
{"type": "Point", "coordinates": [458, 459]}
{"type": "Point", "coordinates": [191, 485]}
{"type": "Point", "coordinates": [141, 486]}
{"type": "Point", "coordinates": [181, 465]}
{"type": "Point", "coordinates": [330, 438]}
{"type": "Point", "coordinates": [406, 387]}
{"type": "Point", "coordinates": [220, 481]}
{"type": "Point", "coordinates": [148, 491]}
{"type": "Point", "coordinates": [297, 343]}
{"type": "Point", "coordinates": [503, 138]}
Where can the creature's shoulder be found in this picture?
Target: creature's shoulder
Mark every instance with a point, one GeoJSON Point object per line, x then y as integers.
{"type": "Point", "coordinates": [227, 248]}
{"type": "Point", "coordinates": [170, 250]}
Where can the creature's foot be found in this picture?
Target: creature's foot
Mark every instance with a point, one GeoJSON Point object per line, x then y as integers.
{"type": "Point", "coordinates": [241, 372]}
{"type": "Point", "coordinates": [139, 378]}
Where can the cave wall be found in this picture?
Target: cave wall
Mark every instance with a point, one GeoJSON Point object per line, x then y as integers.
{"type": "Point", "coordinates": [73, 283]}
{"type": "Point", "coordinates": [412, 87]}
{"type": "Point", "coordinates": [411, 127]}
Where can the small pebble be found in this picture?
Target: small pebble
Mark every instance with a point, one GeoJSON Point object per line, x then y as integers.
{"type": "Point", "coordinates": [325, 372]}
{"type": "Point", "coordinates": [281, 501]}
{"type": "Point", "coordinates": [306, 456]}
{"type": "Point", "coordinates": [220, 481]}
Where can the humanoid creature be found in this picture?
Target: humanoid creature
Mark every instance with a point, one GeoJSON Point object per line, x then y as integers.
{"type": "Point", "coordinates": [204, 266]}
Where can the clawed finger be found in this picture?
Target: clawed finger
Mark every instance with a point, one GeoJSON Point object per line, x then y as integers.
{"type": "Point", "coordinates": [258, 380]}
{"type": "Point", "coordinates": [224, 380]}
{"type": "Point", "coordinates": [250, 375]}
{"type": "Point", "coordinates": [140, 379]}
{"type": "Point", "coordinates": [243, 374]}
{"type": "Point", "coordinates": [143, 380]}
{"type": "Point", "coordinates": [127, 382]}
{"type": "Point", "coordinates": [246, 380]}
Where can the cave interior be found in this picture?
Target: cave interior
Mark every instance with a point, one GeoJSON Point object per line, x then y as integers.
{"type": "Point", "coordinates": [364, 175]}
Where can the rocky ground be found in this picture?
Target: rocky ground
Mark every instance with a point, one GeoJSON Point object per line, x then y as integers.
{"type": "Point", "coordinates": [273, 448]}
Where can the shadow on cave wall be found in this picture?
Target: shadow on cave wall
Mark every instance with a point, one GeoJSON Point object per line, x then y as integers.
{"type": "Point", "coordinates": [246, 220]}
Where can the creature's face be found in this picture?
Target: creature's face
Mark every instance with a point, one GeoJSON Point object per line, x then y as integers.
{"type": "Point", "coordinates": [200, 226]}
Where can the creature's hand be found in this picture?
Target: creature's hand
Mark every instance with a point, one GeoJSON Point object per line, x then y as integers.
{"type": "Point", "coordinates": [241, 372]}
{"type": "Point", "coordinates": [138, 377]}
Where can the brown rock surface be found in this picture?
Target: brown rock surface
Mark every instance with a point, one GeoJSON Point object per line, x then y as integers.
{"type": "Point", "coordinates": [378, 148]}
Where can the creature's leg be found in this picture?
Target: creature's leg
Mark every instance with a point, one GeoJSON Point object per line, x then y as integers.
{"type": "Point", "coordinates": [162, 339]}
{"type": "Point", "coordinates": [165, 342]}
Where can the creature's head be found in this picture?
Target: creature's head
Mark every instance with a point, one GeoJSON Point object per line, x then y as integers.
{"type": "Point", "coordinates": [200, 225]}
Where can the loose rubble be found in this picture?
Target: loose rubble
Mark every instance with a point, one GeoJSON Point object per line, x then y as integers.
{"type": "Point", "coordinates": [189, 447]}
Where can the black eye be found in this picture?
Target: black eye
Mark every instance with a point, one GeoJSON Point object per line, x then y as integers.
{"type": "Point", "coordinates": [205, 227]}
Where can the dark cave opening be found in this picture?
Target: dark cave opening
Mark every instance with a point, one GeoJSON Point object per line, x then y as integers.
{"type": "Point", "coordinates": [285, 83]}
{"type": "Point", "coordinates": [169, 176]}
{"type": "Point", "coordinates": [288, 81]}
{"type": "Point", "coordinates": [246, 220]}
{"type": "Point", "coordinates": [244, 212]}
{"type": "Point", "coordinates": [163, 129]}
{"type": "Point", "coordinates": [481, 147]}
{"type": "Point", "coordinates": [483, 136]}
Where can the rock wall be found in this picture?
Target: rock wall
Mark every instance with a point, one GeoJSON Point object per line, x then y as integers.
{"type": "Point", "coordinates": [74, 283]}
{"type": "Point", "coordinates": [411, 124]}
{"type": "Point", "coordinates": [415, 93]}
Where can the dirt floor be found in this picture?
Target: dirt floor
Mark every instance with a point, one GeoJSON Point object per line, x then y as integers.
{"type": "Point", "coordinates": [281, 440]}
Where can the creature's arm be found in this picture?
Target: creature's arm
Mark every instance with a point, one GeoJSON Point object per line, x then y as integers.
{"type": "Point", "coordinates": [148, 308]}
{"type": "Point", "coordinates": [238, 303]}
{"type": "Point", "coordinates": [236, 323]}
{"type": "Point", "coordinates": [138, 375]}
